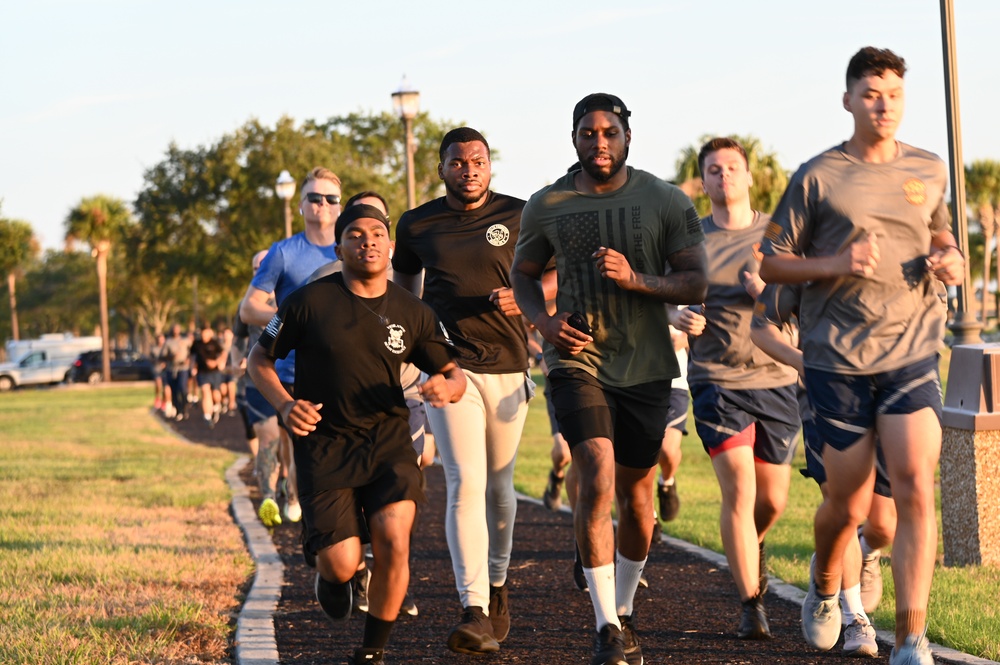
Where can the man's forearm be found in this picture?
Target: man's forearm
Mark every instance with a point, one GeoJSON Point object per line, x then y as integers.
{"type": "Point", "coordinates": [686, 287]}
{"type": "Point", "coordinates": [528, 295]}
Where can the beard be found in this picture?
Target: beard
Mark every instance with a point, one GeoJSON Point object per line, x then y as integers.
{"type": "Point", "coordinates": [468, 197]}
{"type": "Point", "coordinates": [599, 173]}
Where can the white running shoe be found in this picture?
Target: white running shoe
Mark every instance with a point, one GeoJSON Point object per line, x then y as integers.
{"type": "Point", "coordinates": [820, 616]}
{"type": "Point", "coordinates": [859, 639]}
{"type": "Point", "coordinates": [293, 511]}
{"type": "Point", "coordinates": [913, 651]}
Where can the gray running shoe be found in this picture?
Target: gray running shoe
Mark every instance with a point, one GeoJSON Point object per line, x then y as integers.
{"type": "Point", "coordinates": [820, 616]}
{"type": "Point", "coordinates": [859, 639]}
{"type": "Point", "coordinates": [361, 580]}
{"type": "Point", "coordinates": [913, 651]}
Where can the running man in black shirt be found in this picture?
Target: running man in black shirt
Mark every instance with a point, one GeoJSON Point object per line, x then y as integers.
{"type": "Point", "coordinates": [464, 243]}
{"type": "Point", "coordinates": [358, 476]}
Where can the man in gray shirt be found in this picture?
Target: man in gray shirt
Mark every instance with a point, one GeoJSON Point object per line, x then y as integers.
{"type": "Point", "coordinates": [865, 227]}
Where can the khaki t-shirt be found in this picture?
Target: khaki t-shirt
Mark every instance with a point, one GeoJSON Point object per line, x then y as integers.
{"type": "Point", "coordinates": [867, 325]}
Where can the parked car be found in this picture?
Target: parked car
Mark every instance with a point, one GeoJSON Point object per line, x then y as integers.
{"type": "Point", "coordinates": [125, 366]}
{"type": "Point", "coordinates": [47, 359]}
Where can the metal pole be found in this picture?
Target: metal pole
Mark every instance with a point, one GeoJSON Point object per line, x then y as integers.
{"type": "Point", "coordinates": [965, 327]}
{"type": "Point", "coordinates": [288, 218]}
{"type": "Point", "coordinates": [411, 186]}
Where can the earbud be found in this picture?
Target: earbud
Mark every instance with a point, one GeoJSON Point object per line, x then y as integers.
{"type": "Point", "coordinates": [300, 210]}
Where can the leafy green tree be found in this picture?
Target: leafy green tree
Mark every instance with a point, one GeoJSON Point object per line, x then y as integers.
{"type": "Point", "coordinates": [982, 193]}
{"type": "Point", "coordinates": [204, 212]}
{"type": "Point", "coordinates": [769, 179]}
{"type": "Point", "coordinates": [100, 221]}
{"type": "Point", "coordinates": [58, 293]}
{"type": "Point", "coordinates": [17, 246]}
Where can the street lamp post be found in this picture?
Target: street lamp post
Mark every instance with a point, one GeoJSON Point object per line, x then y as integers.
{"type": "Point", "coordinates": [406, 102]}
{"type": "Point", "coordinates": [285, 189]}
{"type": "Point", "coordinates": [965, 327]}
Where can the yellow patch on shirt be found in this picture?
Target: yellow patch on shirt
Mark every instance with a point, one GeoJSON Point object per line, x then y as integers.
{"type": "Point", "coordinates": [915, 191]}
{"type": "Point", "coordinates": [756, 252]}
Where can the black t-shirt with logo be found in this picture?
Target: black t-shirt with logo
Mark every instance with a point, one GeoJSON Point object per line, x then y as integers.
{"type": "Point", "coordinates": [465, 256]}
{"type": "Point", "coordinates": [348, 352]}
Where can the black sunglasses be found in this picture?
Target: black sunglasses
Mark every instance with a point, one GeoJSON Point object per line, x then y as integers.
{"type": "Point", "coordinates": [332, 199]}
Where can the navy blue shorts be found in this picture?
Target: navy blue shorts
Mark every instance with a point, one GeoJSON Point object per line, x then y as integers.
{"type": "Point", "coordinates": [258, 408]}
{"type": "Point", "coordinates": [212, 377]}
{"type": "Point", "coordinates": [848, 405]}
{"type": "Point", "coordinates": [633, 418]}
{"type": "Point", "coordinates": [817, 471]}
{"type": "Point", "coordinates": [677, 416]}
{"type": "Point", "coordinates": [766, 419]}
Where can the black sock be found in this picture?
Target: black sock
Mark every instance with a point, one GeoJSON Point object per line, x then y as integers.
{"type": "Point", "coordinates": [376, 632]}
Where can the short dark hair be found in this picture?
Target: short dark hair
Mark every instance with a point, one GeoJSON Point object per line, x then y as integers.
{"type": "Point", "coordinates": [719, 143]}
{"type": "Point", "coordinates": [365, 195]}
{"type": "Point", "coordinates": [873, 61]}
{"type": "Point", "coordinates": [461, 135]}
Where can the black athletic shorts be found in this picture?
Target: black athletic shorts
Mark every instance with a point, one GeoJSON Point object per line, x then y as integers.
{"type": "Point", "coordinates": [633, 418]}
{"type": "Point", "coordinates": [334, 515]}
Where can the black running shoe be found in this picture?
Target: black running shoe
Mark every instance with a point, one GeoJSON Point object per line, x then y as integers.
{"type": "Point", "coordinates": [499, 612]}
{"type": "Point", "coordinates": [670, 502]}
{"type": "Point", "coordinates": [753, 622]}
{"type": "Point", "coordinates": [552, 497]}
{"type": "Point", "coordinates": [609, 647]}
{"type": "Point", "coordinates": [578, 576]}
{"type": "Point", "coordinates": [409, 608]}
{"type": "Point", "coordinates": [361, 580]}
{"type": "Point", "coordinates": [335, 599]}
{"type": "Point", "coordinates": [473, 634]}
{"type": "Point", "coordinates": [633, 652]}
{"type": "Point", "coordinates": [366, 656]}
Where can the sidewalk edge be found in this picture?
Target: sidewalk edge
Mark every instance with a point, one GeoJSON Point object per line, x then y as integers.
{"type": "Point", "coordinates": [255, 642]}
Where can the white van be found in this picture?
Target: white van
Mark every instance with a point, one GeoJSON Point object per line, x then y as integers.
{"type": "Point", "coordinates": [47, 359]}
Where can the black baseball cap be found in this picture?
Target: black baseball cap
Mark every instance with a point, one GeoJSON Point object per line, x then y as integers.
{"type": "Point", "coordinates": [600, 101]}
{"type": "Point", "coordinates": [356, 212]}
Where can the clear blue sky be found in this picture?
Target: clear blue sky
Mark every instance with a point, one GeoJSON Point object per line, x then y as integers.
{"type": "Point", "coordinates": [94, 91]}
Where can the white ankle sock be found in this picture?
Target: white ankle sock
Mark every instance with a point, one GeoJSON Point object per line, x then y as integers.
{"type": "Point", "coordinates": [850, 602]}
{"type": "Point", "coordinates": [602, 594]}
{"type": "Point", "coordinates": [626, 582]}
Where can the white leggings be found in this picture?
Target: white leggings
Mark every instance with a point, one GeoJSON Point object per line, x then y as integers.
{"type": "Point", "coordinates": [477, 439]}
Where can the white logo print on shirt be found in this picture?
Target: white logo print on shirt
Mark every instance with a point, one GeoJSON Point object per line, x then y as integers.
{"type": "Point", "coordinates": [498, 235]}
{"type": "Point", "coordinates": [395, 341]}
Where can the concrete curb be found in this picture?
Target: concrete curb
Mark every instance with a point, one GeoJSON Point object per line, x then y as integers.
{"type": "Point", "coordinates": [255, 642]}
{"type": "Point", "coordinates": [796, 595]}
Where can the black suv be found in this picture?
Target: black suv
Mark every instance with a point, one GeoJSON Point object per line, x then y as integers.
{"type": "Point", "coordinates": [125, 366]}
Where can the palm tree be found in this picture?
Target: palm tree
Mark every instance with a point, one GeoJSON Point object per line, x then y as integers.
{"type": "Point", "coordinates": [982, 193]}
{"type": "Point", "coordinates": [17, 246]}
{"type": "Point", "coordinates": [98, 221]}
{"type": "Point", "coordinates": [769, 179]}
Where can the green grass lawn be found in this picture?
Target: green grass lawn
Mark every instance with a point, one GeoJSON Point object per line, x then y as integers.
{"type": "Point", "coordinates": [116, 544]}
{"type": "Point", "coordinates": [965, 601]}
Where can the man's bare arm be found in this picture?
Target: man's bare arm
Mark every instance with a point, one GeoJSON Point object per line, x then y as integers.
{"type": "Point", "coordinates": [686, 284]}
{"type": "Point", "coordinates": [256, 308]}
